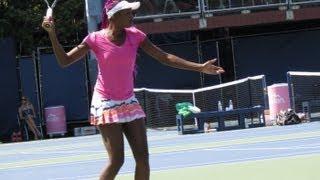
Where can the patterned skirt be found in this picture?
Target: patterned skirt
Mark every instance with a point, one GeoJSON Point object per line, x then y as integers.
{"type": "Point", "coordinates": [105, 111]}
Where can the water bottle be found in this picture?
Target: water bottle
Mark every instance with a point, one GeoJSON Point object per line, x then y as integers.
{"type": "Point", "coordinates": [230, 105]}
{"type": "Point", "coordinates": [220, 106]}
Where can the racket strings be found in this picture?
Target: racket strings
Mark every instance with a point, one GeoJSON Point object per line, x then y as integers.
{"type": "Point", "coordinates": [53, 4]}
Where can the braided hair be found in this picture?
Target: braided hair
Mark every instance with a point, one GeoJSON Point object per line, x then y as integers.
{"type": "Point", "coordinates": [108, 4]}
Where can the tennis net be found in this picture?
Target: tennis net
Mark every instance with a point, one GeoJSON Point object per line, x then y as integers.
{"type": "Point", "coordinates": [304, 92]}
{"type": "Point", "coordinates": [159, 104]}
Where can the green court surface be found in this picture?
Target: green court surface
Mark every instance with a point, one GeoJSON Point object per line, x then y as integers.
{"type": "Point", "coordinates": [304, 167]}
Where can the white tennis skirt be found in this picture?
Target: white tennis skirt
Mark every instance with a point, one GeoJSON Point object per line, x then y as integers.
{"type": "Point", "coordinates": [106, 111]}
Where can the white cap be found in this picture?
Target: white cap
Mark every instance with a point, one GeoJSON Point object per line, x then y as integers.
{"type": "Point", "coordinates": [122, 5]}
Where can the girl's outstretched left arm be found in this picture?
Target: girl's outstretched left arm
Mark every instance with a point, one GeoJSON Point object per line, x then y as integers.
{"type": "Point", "coordinates": [177, 62]}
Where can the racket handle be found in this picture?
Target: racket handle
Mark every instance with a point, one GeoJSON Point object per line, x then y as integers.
{"type": "Point", "coordinates": [49, 13]}
{"type": "Point", "coordinates": [48, 16]}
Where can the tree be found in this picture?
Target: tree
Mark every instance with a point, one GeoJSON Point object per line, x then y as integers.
{"type": "Point", "coordinates": [22, 21]}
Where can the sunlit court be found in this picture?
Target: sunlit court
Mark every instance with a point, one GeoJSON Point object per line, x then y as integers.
{"type": "Point", "coordinates": [290, 152]}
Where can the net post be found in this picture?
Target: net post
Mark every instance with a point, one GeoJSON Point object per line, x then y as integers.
{"type": "Point", "coordinates": [290, 88]}
{"type": "Point", "coordinates": [194, 104]}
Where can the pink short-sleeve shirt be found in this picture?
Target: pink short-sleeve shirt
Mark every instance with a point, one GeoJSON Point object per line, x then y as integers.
{"type": "Point", "coordinates": [115, 63]}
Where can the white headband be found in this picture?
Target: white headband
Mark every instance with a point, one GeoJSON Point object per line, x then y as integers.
{"type": "Point", "coordinates": [121, 6]}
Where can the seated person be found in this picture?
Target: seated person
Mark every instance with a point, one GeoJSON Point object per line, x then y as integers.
{"type": "Point", "coordinates": [26, 113]}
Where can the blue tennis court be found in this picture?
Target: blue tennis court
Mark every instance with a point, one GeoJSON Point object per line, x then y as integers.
{"type": "Point", "coordinates": [84, 157]}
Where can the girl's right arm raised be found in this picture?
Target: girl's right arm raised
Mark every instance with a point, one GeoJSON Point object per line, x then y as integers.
{"type": "Point", "coordinates": [64, 59]}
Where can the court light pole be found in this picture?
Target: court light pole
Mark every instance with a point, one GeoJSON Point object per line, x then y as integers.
{"type": "Point", "coordinates": [93, 14]}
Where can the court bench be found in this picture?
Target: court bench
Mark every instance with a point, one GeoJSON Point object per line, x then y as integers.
{"type": "Point", "coordinates": [240, 113]}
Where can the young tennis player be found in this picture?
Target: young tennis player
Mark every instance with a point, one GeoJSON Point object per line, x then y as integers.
{"type": "Point", "coordinates": [114, 108]}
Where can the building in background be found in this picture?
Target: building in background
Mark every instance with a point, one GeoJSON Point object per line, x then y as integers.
{"type": "Point", "coordinates": [249, 37]}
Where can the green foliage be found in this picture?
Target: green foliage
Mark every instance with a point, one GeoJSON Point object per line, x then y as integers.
{"type": "Point", "coordinates": [21, 19]}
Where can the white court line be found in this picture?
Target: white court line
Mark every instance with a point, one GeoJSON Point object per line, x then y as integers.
{"type": "Point", "coordinates": [192, 150]}
{"type": "Point", "coordinates": [308, 147]}
{"type": "Point", "coordinates": [86, 177]}
{"type": "Point", "coordinates": [94, 176]}
{"type": "Point", "coordinates": [227, 148]}
{"type": "Point", "coordinates": [263, 149]}
{"type": "Point", "coordinates": [238, 160]}
{"type": "Point", "coordinates": [270, 130]}
{"type": "Point", "coordinates": [233, 161]}
{"type": "Point", "coordinates": [61, 152]}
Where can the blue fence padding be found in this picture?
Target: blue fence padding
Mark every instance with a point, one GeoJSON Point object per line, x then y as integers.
{"type": "Point", "coordinates": [152, 74]}
{"type": "Point", "coordinates": [64, 86]}
{"type": "Point", "coordinates": [209, 51]}
{"type": "Point", "coordinates": [275, 55]}
{"type": "Point", "coordinates": [9, 94]}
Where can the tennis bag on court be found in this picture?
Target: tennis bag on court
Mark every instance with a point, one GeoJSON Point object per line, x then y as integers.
{"type": "Point", "coordinates": [287, 118]}
{"type": "Point", "coordinates": [186, 108]}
